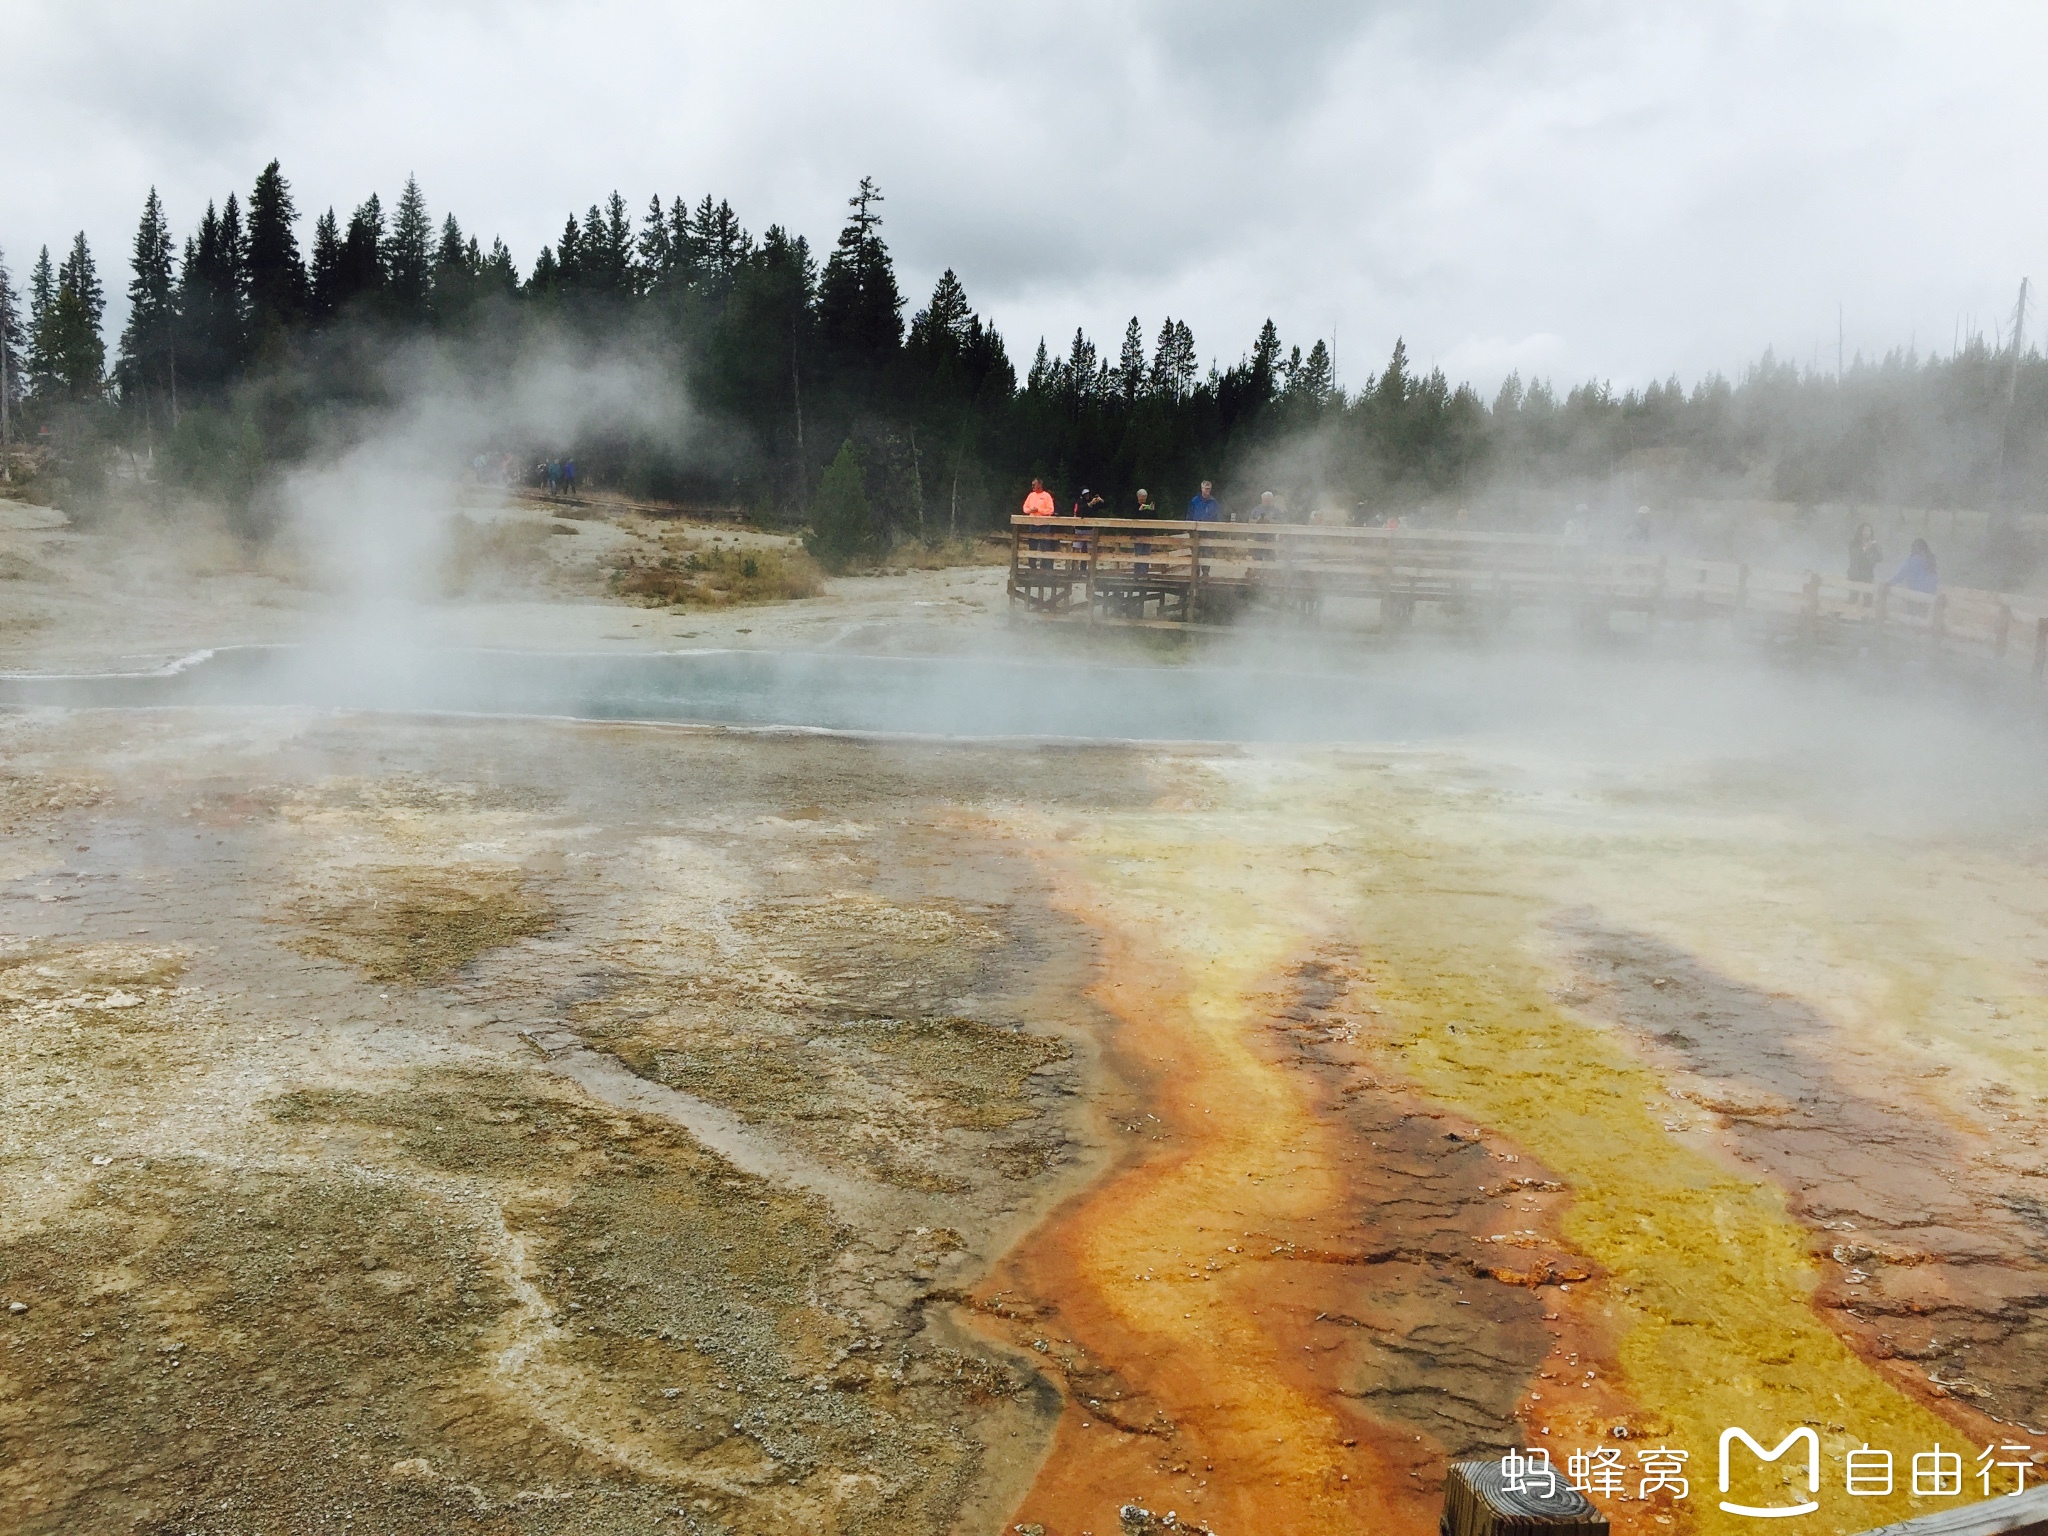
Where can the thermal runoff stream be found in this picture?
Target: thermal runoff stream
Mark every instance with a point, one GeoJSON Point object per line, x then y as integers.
{"type": "Point", "coordinates": [1471, 1112]}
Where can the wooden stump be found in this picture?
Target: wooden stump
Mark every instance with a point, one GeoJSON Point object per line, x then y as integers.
{"type": "Point", "coordinates": [1475, 1504]}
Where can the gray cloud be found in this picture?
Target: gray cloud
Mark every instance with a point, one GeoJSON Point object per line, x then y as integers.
{"type": "Point", "coordinates": [1577, 187]}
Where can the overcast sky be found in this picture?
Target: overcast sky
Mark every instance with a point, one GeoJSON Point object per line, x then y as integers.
{"type": "Point", "coordinates": [1575, 188]}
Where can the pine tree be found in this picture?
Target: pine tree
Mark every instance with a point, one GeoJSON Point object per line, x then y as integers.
{"type": "Point", "coordinates": [717, 245]}
{"type": "Point", "coordinates": [680, 242]}
{"type": "Point", "coordinates": [457, 266]}
{"type": "Point", "coordinates": [859, 306]}
{"type": "Point", "coordinates": [76, 350]}
{"type": "Point", "coordinates": [10, 356]}
{"type": "Point", "coordinates": [211, 332]}
{"type": "Point", "coordinates": [621, 269]}
{"type": "Point", "coordinates": [1313, 380]}
{"type": "Point", "coordinates": [605, 252]}
{"type": "Point", "coordinates": [1392, 390]}
{"type": "Point", "coordinates": [325, 284]}
{"type": "Point", "coordinates": [42, 299]}
{"type": "Point", "coordinates": [842, 525]}
{"type": "Point", "coordinates": [277, 275]}
{"type": "Point", "coordinates": [941, 326]}
{"type": "Point", "coordinates": [761, 354]}
{"type": "Point", "coordinates": [1130, 367]}
{"type": "Point", "coordinates": [657, 245]}
{"type": "Point", "coordinates": [546, 277]}
{"type": "Point", "coordinates": [145, 369]}
{"type": "Point", "coordinates": [1173, 361]}
{"type": "Point", "coordinates": [409, 263]}
{"type": "Point", "coordinates": [1265, 363]}
{"type": "Point", "coordinates": [363, 269]}
{"type": "Point", "coordinates": [567, 269]}
{"type": "Point", "coordinates": [1080, 374]}
{"type": "Point", "coordinates": [499, 273]}
{"type": "Point", "coordinates": [234, 280]}
{"type": "Point", "coordinates": [1039, 380]}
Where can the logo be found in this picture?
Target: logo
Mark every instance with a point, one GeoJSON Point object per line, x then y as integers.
{"type": "Point", "coordinates": [1774, 1511]}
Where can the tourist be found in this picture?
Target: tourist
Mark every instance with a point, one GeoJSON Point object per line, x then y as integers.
{"type": "Point", "coordinates": [569, 476]}
{"type": "Point", "coordinates": [1268, 510]}
{"type": "Point", "coordinates": [1204, 508]}
{"type": "Point", "coordinates": [1864, 555]}
{"type": "Point", "coordinates": [1039, 504]}
{"type": "Point", "coordinates": [1917, 572]}
{"type": "Point", "coordinates": [1145, 507]}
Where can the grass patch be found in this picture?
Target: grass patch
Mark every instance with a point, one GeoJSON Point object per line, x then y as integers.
{"type": "Point", "coordinates": [945, 554]}
{"type": "Point", "coordinates": [716, 577]}
{"type": "Point", "coordinates": [417, 926]}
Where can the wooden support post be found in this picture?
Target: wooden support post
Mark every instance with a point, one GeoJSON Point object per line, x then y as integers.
{"type": "Point", "coordinates": [1194, 598]}
{"type": "Point", "coordinates": [1016, 548]}
{"type": "Point", "coordinates": [1883, 605]}
{"type": "Point", "coordinates": [1088, 581]}
{"type": "Point", "coordinates": [2002, 630]}
{"type": "Point", "coordinates": [1476, 1504]}
{"type": "Point", "coordinates": [2040, 647]}
{"type": "Point", "coordinates": [1937, 620]}
{"type": "Point", "coordinates": [1812, 613]}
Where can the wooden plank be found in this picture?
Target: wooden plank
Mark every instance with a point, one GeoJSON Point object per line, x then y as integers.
{"type": "Point", "coordinates": [1477, 1504]}
{"type": "Point", "coordinates": [2024, 1514]}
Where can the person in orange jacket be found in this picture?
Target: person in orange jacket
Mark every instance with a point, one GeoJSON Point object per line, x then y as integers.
{"type": "Point", "coordinates": [1039, 504]}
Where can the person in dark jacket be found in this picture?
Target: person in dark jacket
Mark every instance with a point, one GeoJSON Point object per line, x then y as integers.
{"type": "Point", "coordinates": [1864, 555]}
{"type": "Point", "coordinates": [1204, 508]}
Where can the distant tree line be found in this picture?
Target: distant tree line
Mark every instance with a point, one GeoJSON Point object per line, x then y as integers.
{"type": "Point", "coordinates": [244, 350]}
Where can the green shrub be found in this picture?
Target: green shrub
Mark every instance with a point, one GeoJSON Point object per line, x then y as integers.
{"type": "Point", "coordinates": [842, 530]}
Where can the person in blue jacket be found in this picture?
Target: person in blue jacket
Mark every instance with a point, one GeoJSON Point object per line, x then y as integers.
{"type": "Point", "coordinates": [1917, 572]}
{"type": "Point", "coordinates": [1204, 508]}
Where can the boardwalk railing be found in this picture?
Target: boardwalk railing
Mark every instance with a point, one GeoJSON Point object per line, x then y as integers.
{"type": "Point", "coordinates": [1125, 571]}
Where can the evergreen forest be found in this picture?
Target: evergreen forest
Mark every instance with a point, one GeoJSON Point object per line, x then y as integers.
{"type": "Point", "coordinates": [261, 336]}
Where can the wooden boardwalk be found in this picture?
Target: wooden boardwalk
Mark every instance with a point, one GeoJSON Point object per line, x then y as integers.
{"type": "Point", "coordinates": [1192, 575]}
